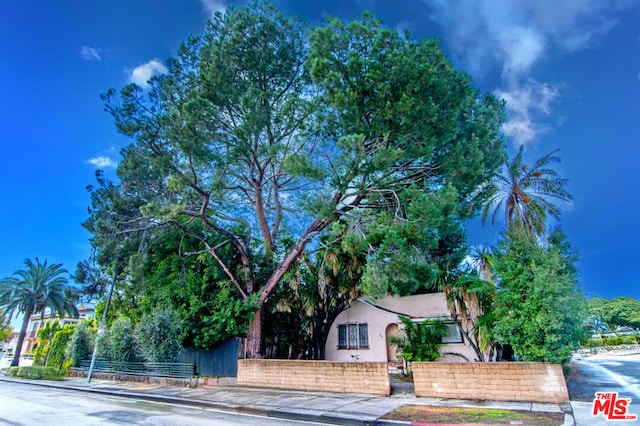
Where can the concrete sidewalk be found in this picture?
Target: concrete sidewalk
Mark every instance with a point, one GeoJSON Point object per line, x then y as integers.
{"type": "Point", "coordinates": [325, 407]}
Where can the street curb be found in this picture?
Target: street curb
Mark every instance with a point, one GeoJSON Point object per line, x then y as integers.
{"type": "Point", "coordinates": [299, 415]}
{"type": "Point", "coordinates": [239, 409]}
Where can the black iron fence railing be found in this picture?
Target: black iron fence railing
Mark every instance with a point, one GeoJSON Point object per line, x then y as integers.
{"type": "Point", "coordinates": [162, 369]}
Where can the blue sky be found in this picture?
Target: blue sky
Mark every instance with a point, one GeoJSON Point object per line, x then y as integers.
{"type": "Point", "coordinates": [570, 71]}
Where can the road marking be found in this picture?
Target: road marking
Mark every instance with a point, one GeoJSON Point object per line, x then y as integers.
{"type": "Point", "coordinates": [624, 381]}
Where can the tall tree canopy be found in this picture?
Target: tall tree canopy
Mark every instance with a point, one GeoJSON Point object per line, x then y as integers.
{"type": "Point", "coordinates": [267, 133]}
{"type": "Point", "coordinates": [617, 312]}
{"type": "Point", "coordinates": [32, 290]}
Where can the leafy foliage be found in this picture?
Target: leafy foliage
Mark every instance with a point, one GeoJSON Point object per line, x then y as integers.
{"type": "Point", "coordinates": [419, 341]}
{"type": "Point", "coordinates": [121, 345]}
{"type": "Point", "coordinates": [45, 336]}
{"type": "Point", "coordinates": [617, 312]}
{"type": "Point", "coordinates": [525, 192]}
{"type": "Point", "coordinates": [5, 328]}
{"type": "Point", "coordinates": [539, 309]}
{"type": "Point", "coordinates": [409, 248]}
{"type": "Point", "coordinates": [316, 290]}
{"type": "Point", "coordinates": [158, 336]}
{"type": "Point", "coordinates": [194, 286]}
{"type": "Point", "coordinates": [56, 356]}
{"type": "Point", "coordinates": [80, 346]}
{"type": "Point", "coordinates": [31, 291]}
{"type": "Point", "coordinates": [612, 341]}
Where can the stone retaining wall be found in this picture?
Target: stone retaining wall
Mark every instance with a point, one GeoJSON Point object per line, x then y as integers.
{"type": "Point", "coordinates": [496, 381]}
{"type": "Point", "coordinates": [169, 381]}
{"type": "Point", "coordinates": [328, 376]}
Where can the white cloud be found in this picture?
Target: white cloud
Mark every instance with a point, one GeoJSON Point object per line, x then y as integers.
{"type": "Point", "coordinates": [102, 162]}
{"type": "Point", "coordinates": [526, 104]}
{"type": "Point", "coordinates": [141, 74]}
{"type": "Point", "coordinates": [213, 6]}
{"type": "Point", "coordinates": [90, 53]}
{"type": "Point", "coordinates": [514, 36]}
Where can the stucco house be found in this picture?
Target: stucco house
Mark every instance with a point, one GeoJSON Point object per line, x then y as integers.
{"type": "Point", "coordinates": [361, 333]}
{"type": "Point", "coordinates": [37, 321]}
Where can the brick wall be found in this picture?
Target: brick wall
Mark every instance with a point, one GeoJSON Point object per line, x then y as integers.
{"type": "Point", "coordinates": [352, 377]}
{"type": "Point", "coordinates": [498, 381]}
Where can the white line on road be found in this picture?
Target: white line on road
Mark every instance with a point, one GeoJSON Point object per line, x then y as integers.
{"type": "Point", "coordinates": [623, 381]}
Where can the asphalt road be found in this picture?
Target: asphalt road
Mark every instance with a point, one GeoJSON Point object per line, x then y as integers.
{"type": "Point", "coordinates": [603, 373]}
{"type": "Point", "coordinates": [34, 405]}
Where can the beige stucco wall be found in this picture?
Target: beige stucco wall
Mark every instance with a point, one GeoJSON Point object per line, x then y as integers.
{"type": "Point", "coordinates": [377, 321]}
{"type": "Point", "coordinates": [422, 306]}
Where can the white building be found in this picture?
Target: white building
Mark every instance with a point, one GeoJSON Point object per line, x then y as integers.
{"type": "Point", "coordinates": [37, 321]}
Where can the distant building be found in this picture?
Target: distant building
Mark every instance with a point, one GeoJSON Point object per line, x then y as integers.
{"type": "Point", "coordinates": [37, 321]}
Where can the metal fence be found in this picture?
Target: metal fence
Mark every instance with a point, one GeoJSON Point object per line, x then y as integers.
{"type": "Point", "coordinates": [164, 369]}
{"type": "Point", "coordinates": [219, 361]}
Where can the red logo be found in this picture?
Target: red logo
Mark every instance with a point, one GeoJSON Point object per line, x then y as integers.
{"type": "Point", "coordinates": [612, 407]}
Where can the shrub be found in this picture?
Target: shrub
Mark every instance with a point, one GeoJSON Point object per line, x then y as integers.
{"type": "Point", "coordinates": [420, 341]}
{"type": "Point", "coordinates": [35, 372]}
{"type": "Point", "coordinates": [103, 339]}
{"type": "Point", "coordinates": [46, 335]}
{"type": "Point", "coordinates": [612, 341]}
{"type": "Point", "coordinates": [122, 345]}
{"type": "Point", "coordinates": [56, 355]}
{"type": "Point", "coordinates": [158, 335]}
{"type": "Point", "coordinates": [81, 344]}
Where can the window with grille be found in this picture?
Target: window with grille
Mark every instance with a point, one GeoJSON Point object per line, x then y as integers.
{"type": "Point", "coordinates": [353, 336]}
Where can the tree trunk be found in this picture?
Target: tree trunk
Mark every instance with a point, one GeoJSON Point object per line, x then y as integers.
{"type": "Point", "coordinates": [254, 335]}
{"type": "Point", "coordinates": [321, 343]}
{"type": "Point", "coordinates": [319, 339]}
{"type": "Point", "coordinates": [23, 332]}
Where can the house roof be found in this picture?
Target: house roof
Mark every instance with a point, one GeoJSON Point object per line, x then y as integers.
{"type": "Point", "coordinates": [432, 305]}
{"type": "Point", "coordinates": [83, 309]}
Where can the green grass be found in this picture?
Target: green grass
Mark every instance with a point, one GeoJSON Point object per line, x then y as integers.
{"type": "Point", "coordinates": [418, 414]}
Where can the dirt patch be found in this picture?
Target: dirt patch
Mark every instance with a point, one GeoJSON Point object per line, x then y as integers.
{"type": "Point", "coordinates": [405, 378]}
{"type": "Point", "coordinates": [429, 415]}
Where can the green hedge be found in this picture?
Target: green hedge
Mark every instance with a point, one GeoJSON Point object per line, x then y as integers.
{"type": "Point", "coordinates": [612, 341]}
{"type": "Point", "coordinates": [35, 372]}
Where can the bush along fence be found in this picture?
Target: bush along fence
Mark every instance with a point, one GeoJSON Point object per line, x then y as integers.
{"type": "Point", "coordinates": [327, 376]}
{"type": "Point", "coordinates": [497, 381]}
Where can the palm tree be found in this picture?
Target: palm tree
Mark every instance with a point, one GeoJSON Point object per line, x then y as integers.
{"type": "Point", "coordinates": [31, 291]}
{"type": "Point", "coordinates": [526, 192]}
{"type": "Point", "coordinates": [482, 259]}
{"type": "Point", "coordinates": [467, 298]}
